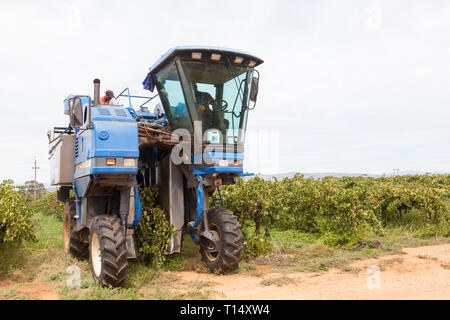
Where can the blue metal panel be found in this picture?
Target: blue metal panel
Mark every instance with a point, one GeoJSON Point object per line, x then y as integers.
{"type": "Point", "coordinates": [81, 185]}
{"type": "Point", "coordinates": [218, 170]}
{"type": "Point", "coordinates": [115, 140]}
{"type": "Point", "coordinates": [114, 170]}
{"type": "Point", "coordinates": [117, 153]}
{"type": "Point", "coordinates": [218, 155]}
{"type": "Point", "coordinates": [86, 145]}
{"type": "Point", "coordinates": [111, 113]}
{"type": "Point", "coordinates": [246, 174]}
{"type": "Point", "coordinates": [106, 170]}
{"type": "Point", "coordinates": [82, 173]}
{"type": "Point", "coordinates": [111, 135]}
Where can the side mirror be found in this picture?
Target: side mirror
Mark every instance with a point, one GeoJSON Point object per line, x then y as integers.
{"type": "Point", "coordinates": [254, 89]}
{"type": "Point", "coordinates": [76, 112]}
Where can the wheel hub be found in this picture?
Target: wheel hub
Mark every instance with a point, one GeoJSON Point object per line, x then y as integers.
{"type": "Point", "coordinates": [210, 242]}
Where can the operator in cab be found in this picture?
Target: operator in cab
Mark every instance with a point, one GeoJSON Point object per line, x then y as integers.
{"type": "Point", "coordinates": [202, 99]}
{"type": "Point", "coordinates": [211, 116]}
{"type": "Point", "coordinates": [108, 98]}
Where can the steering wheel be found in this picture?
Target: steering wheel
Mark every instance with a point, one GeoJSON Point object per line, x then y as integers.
{"type": "Point", "coordinates": [216, 107]}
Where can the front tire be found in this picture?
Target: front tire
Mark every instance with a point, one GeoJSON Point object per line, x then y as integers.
{"type": "Point", "coordinates": [72, 241]}
{"type": "Point", "coordinates": [226, 257]}
{"type": "Point", "coordinates": [108, 251]}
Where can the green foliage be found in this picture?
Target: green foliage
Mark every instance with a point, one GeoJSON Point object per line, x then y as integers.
{"type": "Point", "coordinates": [257, 246]}
{"type": "Point", "coordinates": [342, 210]}
{"type": "Point", "coordinates": [251, 202]}
{"type": "Point", "coordinates": [15, 215]}
{"type": "Point", "coordinates": [154, 231]}
{"type": "Point", "coordinates": [49, 205]}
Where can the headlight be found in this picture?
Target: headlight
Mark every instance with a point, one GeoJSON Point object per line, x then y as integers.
{"type": "Point", "coordinates": [238, 60]}
{"type": "Point", "coordinates": [130, 162]}
{"type": "Point", "coordinates": [196, 55]}
{"type": "Point", "coordinates": [84, 165]}
{"type": "Point", "coordinates": [223, 163]}
{"type": "Point", "coordinates": [215, 56]}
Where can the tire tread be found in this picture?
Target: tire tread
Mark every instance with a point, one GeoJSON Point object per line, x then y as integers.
{"type": "Point", "coordinates": [113, 251]}
{"type": "Point", "coordinates": [230, 255]}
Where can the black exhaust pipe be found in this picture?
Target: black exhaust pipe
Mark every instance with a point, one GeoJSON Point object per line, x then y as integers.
{"type": "Point", "coordinates": [96, 92]}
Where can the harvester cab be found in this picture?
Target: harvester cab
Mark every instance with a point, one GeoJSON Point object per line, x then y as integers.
{"type": "Point", "coordinates": [190, 145]}
{"type": "Point", "coordinates": [206, 91]}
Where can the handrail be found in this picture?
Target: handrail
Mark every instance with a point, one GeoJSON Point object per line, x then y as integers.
{"type": "Point", "coordinates": [133, 96]}
{"type": "Point", "coordinates": [67, 129]}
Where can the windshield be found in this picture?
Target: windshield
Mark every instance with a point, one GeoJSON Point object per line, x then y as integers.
{"type": "Point", "coordinates": [221, 99]}
{"type": "Point", "coordinates": [220, 93]}
{"type": "Point", "coordinates": [171, 95]}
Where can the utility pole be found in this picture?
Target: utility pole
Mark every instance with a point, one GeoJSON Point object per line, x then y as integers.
{"type": "Point", "coordinates": [35, 168]}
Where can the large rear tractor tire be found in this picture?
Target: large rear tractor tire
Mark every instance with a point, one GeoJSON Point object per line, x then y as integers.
{"type": "Point", "coordinates": [72, 240]}
{"type": "Point", "coordinates": [225, 258]}
{"type": "Point", "coordinates": [108, 251]}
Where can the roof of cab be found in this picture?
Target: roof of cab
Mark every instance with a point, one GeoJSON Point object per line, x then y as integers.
{"type": "Point", "coordinates": [173, 51]}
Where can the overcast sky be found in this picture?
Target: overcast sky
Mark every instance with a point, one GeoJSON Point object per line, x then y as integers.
{"type": "Point", "coordinates": [347, 86]}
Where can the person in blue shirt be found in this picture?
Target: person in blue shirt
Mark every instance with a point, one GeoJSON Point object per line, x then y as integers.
{"type": "Point", "coordinates": [202, 100]}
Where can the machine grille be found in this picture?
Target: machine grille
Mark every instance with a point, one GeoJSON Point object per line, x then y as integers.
{"type": "Point", "coordinates": [120, 112]}
{"type": "Point", "coordinates": [76, 147]}
{"type": "Point", "coordinates": [104, 112]}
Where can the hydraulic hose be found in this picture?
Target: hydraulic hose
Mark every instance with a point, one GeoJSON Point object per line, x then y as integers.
{"type": "Point", "coordinates": [199, 214]}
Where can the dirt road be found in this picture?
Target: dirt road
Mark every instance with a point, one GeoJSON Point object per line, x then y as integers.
{"type": "Point", "coordinates": [418, 273]}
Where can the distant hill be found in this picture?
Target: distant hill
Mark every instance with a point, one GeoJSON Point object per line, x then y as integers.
{"type": "Point", "coordinates": [315, 175]}
{"type": "Point", "coordinates": [318, 175]}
